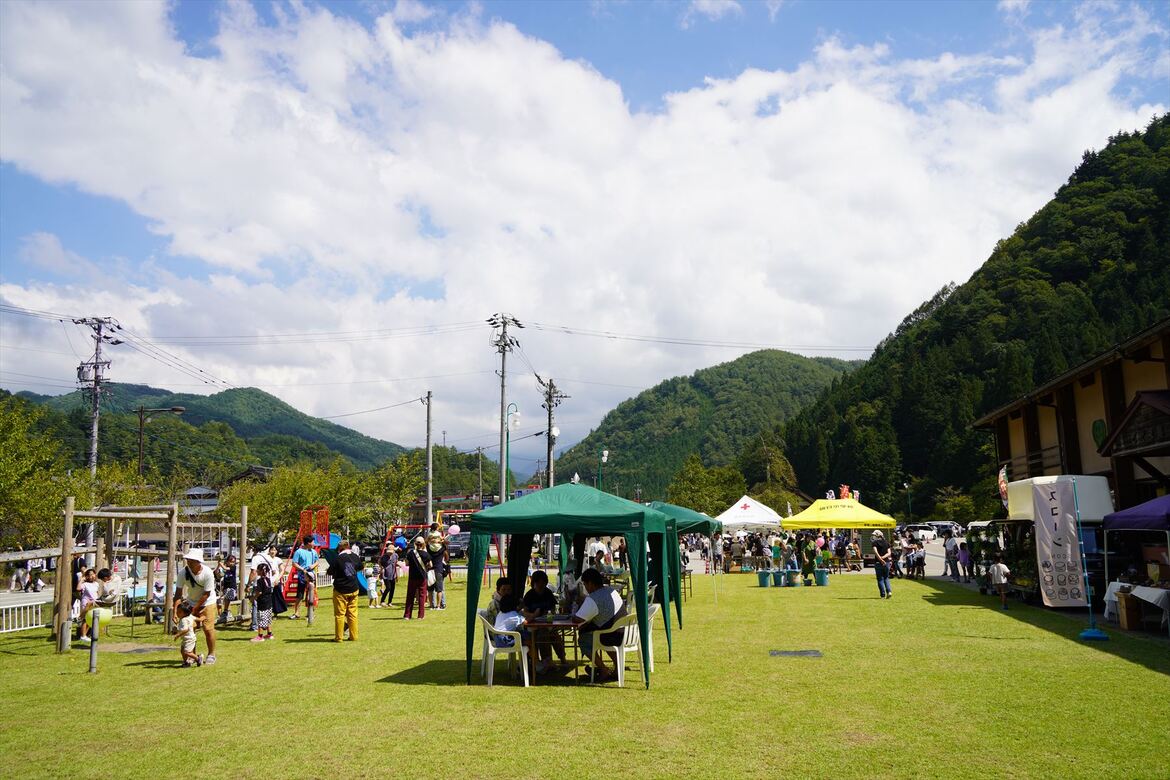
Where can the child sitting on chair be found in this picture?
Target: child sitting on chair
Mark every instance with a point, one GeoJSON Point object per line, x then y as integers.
{"type": "Point", "coordinates": [185, 631]}
{"type": "Point", "coordinates": [373, 580]}
{"type": "Point", "coordinates": [509, 619]}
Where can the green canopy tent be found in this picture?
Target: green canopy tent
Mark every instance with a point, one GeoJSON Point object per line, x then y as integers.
{"type": "Point", "coordinates": [576, 512]}
{"type": "Point", "coordinates": [687, 521]}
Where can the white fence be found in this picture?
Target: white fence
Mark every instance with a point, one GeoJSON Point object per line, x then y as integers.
{"type": "Point", "coordinates": [22, 617]}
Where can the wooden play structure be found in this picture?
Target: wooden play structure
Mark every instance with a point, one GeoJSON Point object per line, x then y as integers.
{"type": "Point", "coordinates": [162, 520]}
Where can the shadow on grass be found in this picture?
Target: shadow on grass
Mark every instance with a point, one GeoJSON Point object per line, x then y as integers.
{"type": "Point", "coordinates": [310, 639]}
{"type": "Point", "coordinates": [1146, 650]}
{"type": "Point", "coordinates": [454, 672]}
{"type": "Point", "coordinates": [438, 671]}
{"type": "Point", "coordinates": [159, 664]}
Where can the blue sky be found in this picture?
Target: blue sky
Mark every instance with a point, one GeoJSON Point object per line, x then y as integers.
{"type": "Point", "coordinates": [649, 48]}
{"type": "Point", "coordinates": [310, 175]}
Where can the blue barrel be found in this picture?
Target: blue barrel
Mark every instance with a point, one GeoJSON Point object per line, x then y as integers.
{"type": "Point", "coordinates": [793, 577]}
{"type": "Point", "coordinates": [764, 578]}
{"type": "Point", "coordinates": [778, 578]}
{"type": "Point", "coordinates": [822, 576]}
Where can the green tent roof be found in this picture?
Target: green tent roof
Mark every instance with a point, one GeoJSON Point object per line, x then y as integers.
{"type": "Point", "coordinates": [689, 521]}
{"type": "Point", "coordinates": [569, 509]}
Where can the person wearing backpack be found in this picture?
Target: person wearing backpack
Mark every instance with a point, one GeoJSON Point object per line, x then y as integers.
{"type": "Point", "coordinates": [344, 571]}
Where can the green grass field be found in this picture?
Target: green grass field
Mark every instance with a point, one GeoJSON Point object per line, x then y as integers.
{"type": "Point", "coordinates": [933, 683]}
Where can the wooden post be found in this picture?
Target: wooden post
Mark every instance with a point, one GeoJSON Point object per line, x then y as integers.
{"type": "Point", "coordinates": [172, 540]}
{"type": "Point", "coordinates": [63, 593]}
{"type": "Point", "coordinates": [111, 541]}
{"type": "Point", "coordinates": [243, 562]}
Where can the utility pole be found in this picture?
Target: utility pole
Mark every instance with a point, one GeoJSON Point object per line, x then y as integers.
{"type": "Point", "coordinates": [444, 440]}
{"type": "Point", "coordinates": [552, 399]}
{"type": "Point", "coordinates": [91, 376]}
{"type": "Point", "coordinates": [430, 466]}
{"type": "Point", "coordinates": [479, 468]}
{"type": "Point", "coordinates": [503, 344]}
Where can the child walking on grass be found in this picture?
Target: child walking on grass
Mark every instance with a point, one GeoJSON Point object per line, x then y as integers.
{"type": "Point", "coordinates": [185, 631]}
{"type": "Point", "coordinates": [263, 594]}
{"type": "Point", "coordinates": [999, 573]}
{"type": "Point", "coordinates": [373, 581]}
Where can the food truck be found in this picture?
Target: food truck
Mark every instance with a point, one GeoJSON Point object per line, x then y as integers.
{"type": "Point", "coordinates": [1054, 578]}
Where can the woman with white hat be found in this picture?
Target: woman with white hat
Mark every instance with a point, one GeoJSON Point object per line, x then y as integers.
{"type": "Point", "coordinates": [196, 584]}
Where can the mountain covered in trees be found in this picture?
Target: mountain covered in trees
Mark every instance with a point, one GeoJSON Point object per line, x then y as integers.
{"type": "Point", "coordinates": [713, 413]}
{"type": "Point", "coordinates": [239, 425]}
{"type": "Point", "coordinates": [1089, 269]}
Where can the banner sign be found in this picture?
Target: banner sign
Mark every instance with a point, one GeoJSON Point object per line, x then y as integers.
{"type": "Point", "coordinates": [1058, 558]}
{"type": "Point", "coordinates": [1003, 491]}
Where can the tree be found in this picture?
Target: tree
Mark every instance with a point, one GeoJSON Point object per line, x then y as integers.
{"type": "Point", "coordinates": [32, 477]}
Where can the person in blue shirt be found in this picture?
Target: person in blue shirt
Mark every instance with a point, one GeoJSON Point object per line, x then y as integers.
{"type": "Point", "coordinates": [400, 541]}
{"type": "Point", "coordinates": [304, 563]}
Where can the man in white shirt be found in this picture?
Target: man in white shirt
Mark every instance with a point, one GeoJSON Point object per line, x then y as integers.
{"type": "Point", "coordinates": [951, 545]}
{"type": "Point", "coordinates": [600, 609]}
{"type": "Point", "coordinates": [196, 584]}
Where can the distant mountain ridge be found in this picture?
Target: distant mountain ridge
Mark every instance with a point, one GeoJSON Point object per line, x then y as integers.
{"type": "Point", "coordinates": [258, 417]}
{"type": "Point", "coordinates": [713, 413]}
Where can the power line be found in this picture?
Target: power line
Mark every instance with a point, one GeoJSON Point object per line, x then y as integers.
{"type": "Point", "coordinates": [367, 411]}
{"type": "Point", "coordinates": [690, 342]}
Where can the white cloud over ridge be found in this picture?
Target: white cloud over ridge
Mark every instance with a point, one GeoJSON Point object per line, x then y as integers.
{"type": "Point", "coordinates": [317, 166]}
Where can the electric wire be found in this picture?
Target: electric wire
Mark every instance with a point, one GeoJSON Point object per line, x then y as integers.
{"type": "Point", "coordinates": [689, 342]}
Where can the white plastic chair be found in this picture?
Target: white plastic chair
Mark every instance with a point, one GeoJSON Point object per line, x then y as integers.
{"type": "Point", "coordinates": [628, 625]}
{"type": "Point", "coordinates": [491, 651]}
{"type": "Point", "coordinates": [483, 613]}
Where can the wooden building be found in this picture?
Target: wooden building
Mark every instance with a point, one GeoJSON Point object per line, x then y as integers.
{"type": "Point", "coordinates": [1109, 416]}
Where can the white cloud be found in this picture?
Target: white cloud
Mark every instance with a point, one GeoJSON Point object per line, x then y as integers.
{"type": "Point", "coordinates": [1014, 8]}
{"type": "Point", "coordinates": [773, 7]}
{"type": "Point", "coordinates": [411, 12]}
{"type": "Point", "coordinates": [319, 168]}
{"type": "Point", "coordinates": [712, 10]}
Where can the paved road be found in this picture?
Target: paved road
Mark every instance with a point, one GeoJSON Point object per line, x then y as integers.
{"type": "Point", "coordinates": [8, 598]}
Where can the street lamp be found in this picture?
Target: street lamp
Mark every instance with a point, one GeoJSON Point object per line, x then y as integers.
{"type": "Point", "coordinates": [602, 457]}
{"type": "Point", "coordinates": [909, 502]}
{"type": "Point", "coordinates": [513, 418]}
{"type": "Point", "coordinates": [143, 420]}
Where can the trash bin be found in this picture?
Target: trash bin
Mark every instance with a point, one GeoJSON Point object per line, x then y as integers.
{"type": "Point", "coordinates": [793, 578]}
{"type": "Point", "coordinates": [822, 576]}
{"type": "Point", "coordinates": [764, 577]}
{"type": "Point", "coordinates": [778, 578]}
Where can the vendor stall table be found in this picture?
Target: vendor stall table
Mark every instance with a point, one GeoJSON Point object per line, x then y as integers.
{"type": "Point", "coordinates": [1159, 597]}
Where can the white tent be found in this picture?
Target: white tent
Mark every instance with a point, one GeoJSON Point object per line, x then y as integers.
{"type": "Point", "coordinates": [747, 514]}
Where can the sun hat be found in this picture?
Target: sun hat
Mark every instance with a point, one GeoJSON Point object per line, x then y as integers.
{"type": "Point", "coordinates": [878, 534]}
{"type": "Point", "coordinates": [194, 554]}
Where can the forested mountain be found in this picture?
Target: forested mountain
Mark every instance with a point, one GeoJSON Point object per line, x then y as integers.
{"type": "Point", "coordinates": [1092, 267]}
{"type": "Point", "coordinates": [712, 413]}
{"type": "Point", "coordinates": [241, 425]}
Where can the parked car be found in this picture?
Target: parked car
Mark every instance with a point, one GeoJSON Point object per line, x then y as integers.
{"type": "Point", "coordinates": [946, 526]}
{"type": "Point", "coordinates": [457, 544]}
{"type": "Point", "coordinates": [922, 533]}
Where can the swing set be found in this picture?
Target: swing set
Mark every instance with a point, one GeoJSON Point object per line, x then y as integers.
{"type": "Point", "coordinates": [154, 520]}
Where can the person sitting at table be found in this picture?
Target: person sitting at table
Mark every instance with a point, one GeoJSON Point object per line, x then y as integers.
{"type": "Point", "coordinates": [509, 619]}
{"type": "Point", "coordinates": [601, 608]}
{"type": "Point", "coordinates": [503, 589]}
{"type": "Point", "coordinates": [540, 602]}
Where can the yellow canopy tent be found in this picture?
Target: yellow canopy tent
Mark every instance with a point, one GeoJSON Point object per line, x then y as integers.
{"type": "Point", "coordinates": [837, 513]}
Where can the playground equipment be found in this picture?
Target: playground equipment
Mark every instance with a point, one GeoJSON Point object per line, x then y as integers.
{"type": "Point", "coordinates": [160, 519]}
{"type": "Point", "coordinates": [314, 523]}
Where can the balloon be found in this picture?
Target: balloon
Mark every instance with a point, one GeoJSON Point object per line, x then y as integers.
{"type": "Point", "coordinates": [454, 529]}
